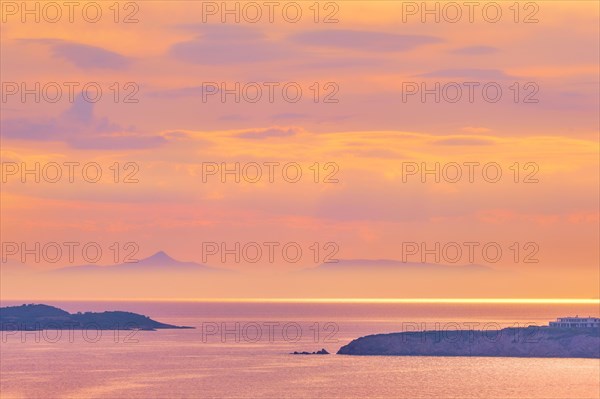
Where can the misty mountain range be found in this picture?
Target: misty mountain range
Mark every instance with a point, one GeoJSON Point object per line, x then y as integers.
{"type": "Point", "coordinates": [159, 262]}
{"type": "Point", "coordinates": [162, 262]}
{"type": "Point", "coordinates": [396, 265]}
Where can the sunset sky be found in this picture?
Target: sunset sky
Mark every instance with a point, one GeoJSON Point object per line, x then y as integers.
{"type": "Point", "coordinates": [366, 132]}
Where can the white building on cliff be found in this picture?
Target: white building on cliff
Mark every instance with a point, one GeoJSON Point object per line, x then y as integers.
{"type": "Point", "coordinates": [576, 322]}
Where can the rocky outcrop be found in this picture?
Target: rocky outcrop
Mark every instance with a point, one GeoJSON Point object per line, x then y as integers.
{"type": "Point", "coordinates": [321, 352]}
{"type": "Point", "coordinates": [508, 342]}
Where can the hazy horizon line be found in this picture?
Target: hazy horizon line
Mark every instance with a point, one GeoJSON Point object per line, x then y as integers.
{"type": "Point", "coordinates": [586, 301]}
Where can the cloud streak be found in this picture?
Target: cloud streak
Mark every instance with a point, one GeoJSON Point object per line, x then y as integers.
{"type": "Point", "coordinates": [79, 128]}
{"type": "Point", "coordinates": [84, 56]}
{"type": "Point", "coordinates": [367, 41]}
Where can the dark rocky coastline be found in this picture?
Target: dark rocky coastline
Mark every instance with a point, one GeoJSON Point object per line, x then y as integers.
{"type": "Point", "coordinates": [508, 342]}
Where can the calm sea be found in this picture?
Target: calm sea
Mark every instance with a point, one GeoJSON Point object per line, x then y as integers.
{"type": "Point", "coordinates": [241, 350]}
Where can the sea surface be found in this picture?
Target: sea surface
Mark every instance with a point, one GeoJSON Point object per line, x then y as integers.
{"type": "Point", "coordinates": [241, 350]}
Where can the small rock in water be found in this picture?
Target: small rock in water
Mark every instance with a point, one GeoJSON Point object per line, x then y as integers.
{"type": "Point", "coordinates": [321, 352]}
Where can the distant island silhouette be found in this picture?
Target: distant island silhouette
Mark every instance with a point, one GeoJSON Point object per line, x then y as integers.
{"type": "Point", "coordinates": [35, 317]}
{"type": "Point", "coordinates": [346, 265]}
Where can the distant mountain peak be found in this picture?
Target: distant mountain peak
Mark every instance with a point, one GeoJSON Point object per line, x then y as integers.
{"type": "Point", "coordinates": [161, 258]}
{"type": "Point", "coordinates": [161, 255]}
